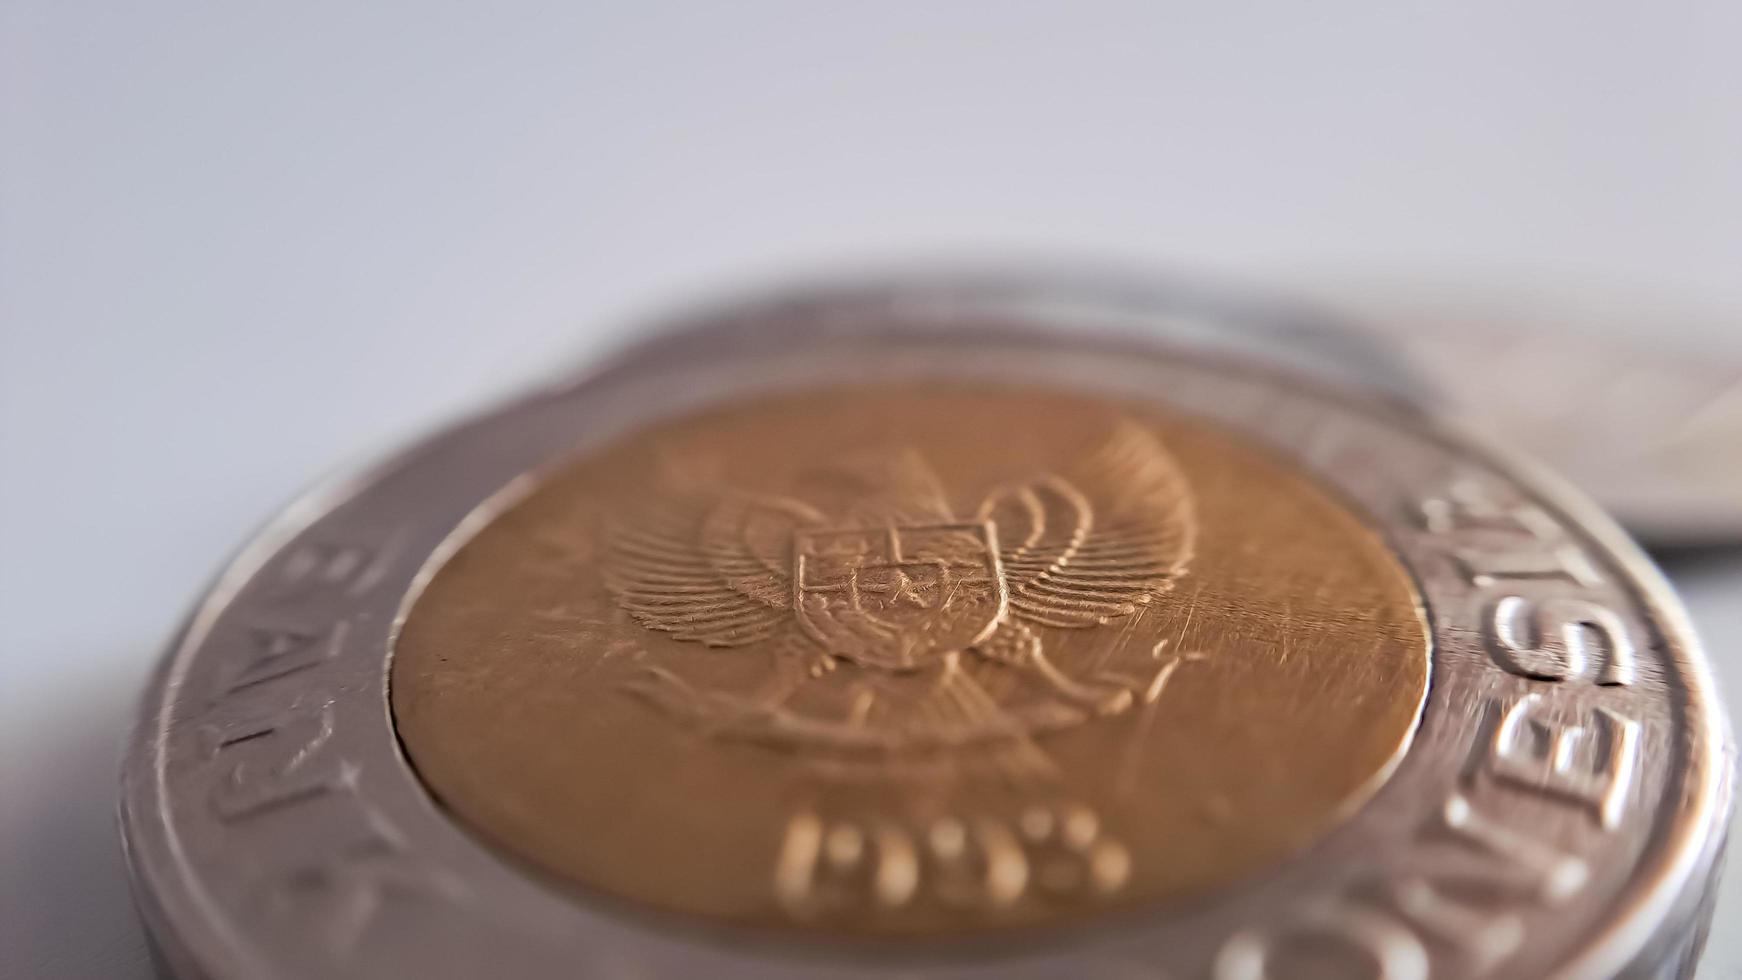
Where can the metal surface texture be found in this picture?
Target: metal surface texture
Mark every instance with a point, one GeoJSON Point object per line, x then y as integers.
{"type": "Point", "coordinates": [925, 683]}
{"type": "Point", "coordinates": [1557, 812]}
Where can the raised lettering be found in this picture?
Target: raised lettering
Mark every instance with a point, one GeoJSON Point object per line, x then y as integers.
{"type": "Point", "coordinates": [1588, 765]}
{"type": "Point", "coordinates": [1467, 877]}
{"type": "Point", "coordinates": [341, 894]}
{"type": "Point", "coordinates": [1358, 941]}
{"type": "Point", "coordinates": [986, 863]}
{"type": "Point", "coordinates": [1569, 562]}
{"type": "Point", "coordinates": [1469, 505]}
{"type": "Point", "coordinates": [1560, 639]}
{"type": "Point", "coordinates": [277, 651]}
{"type": "Point", "coordinates": [349, 569]}
{"type": "Point", "coordinates": [279, 760]}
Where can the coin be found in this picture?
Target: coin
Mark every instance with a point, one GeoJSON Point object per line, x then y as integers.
{"type": "Point", "coordinates": [859, 632]}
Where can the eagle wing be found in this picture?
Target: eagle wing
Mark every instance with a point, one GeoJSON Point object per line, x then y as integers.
{"type": "Point", "coordinates": [1091, 545]}
{"type": "Point", "coordinates": [708, 568]}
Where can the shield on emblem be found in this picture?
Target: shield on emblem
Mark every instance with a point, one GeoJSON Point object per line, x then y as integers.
{"type": "Point", "coordinates": [898, 597]}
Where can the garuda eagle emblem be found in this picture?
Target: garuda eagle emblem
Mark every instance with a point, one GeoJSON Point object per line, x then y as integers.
{"type": "Point", "coordinates": [891, 619]}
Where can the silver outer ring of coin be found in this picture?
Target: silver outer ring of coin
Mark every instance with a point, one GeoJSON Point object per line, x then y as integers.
{"type": "Point", "coordinates": [275, 830]}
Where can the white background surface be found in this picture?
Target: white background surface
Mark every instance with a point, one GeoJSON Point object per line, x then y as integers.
{"type": "Point", "coordinates": [241, 243]}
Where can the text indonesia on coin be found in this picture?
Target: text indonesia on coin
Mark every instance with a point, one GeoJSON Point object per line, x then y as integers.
{"type": "Point", "coordinates": [917, 629]}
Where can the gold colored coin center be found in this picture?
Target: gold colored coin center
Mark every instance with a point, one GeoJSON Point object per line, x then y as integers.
{"type": "Point", "coordinates": [910, 660]}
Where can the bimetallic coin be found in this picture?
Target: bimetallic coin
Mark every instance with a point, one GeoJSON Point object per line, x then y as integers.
{"type": "Point", "coordinates": [859, 633]}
